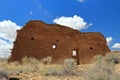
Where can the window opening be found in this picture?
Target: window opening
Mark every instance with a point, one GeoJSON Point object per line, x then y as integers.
{"type": "Point", "coordinates": [32, 38]}
{"type": "Point", "coordinates": [74, 53]}
{"type": "Point", "coordinates": [54, 46]}
{"type": "Point", "coordinates": [57, 40]}
{"type": "Point", "coordinates": [91, 48]}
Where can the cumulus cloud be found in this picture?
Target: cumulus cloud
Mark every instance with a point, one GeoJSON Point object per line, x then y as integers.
{"type": "Point", "coordinates": [109, 40]}
{"type": "Point", "coordinates": [75, 22]}
{"type": "Point", "coordinates": [7, 36]}
{"type": "Point", "coordinates": [116, 45]}
{"type": "Point", "coordinates": [8, 30]}
{"type": "Point", "coordinates": [5, 49]}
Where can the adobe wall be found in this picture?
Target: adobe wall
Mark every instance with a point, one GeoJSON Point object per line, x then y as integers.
{"type": "Point", "coordinates": [37, 38]}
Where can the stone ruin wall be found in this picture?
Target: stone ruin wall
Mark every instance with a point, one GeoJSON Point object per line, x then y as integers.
{"type": "Point", "coordinates": [36, 39]}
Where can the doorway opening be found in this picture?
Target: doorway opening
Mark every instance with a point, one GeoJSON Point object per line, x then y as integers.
{"type": "Point", "coordinates": [75, 55]}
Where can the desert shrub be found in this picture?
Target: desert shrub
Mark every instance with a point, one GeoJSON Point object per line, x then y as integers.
{"type": "Point", "coordinates": [56, 71]}
{"type": "Point", "coordinates": [102, 70]}
{"type": "Point", "coordinates": [46, 60]}
{"type": "Point", "coordinates": [29, 64]}
{"type": "Point", "coordinates": [53, 69]}
{"type": "Point", "coordinates": [3, 63]}
{"type": "Point", "coordinates": [30, 60]}
{"type": "Point", "coordinates": [69, 64]}
{"type": "Point", "coordinates": [69, 67]}
{"type": "Point", "coordinates": [4, 75]}
{"type": "Point", "coordinates": [113, 57]}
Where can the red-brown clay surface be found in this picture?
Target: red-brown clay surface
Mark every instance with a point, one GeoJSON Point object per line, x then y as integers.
{"type": "Point", "coordinates": [36, 39]}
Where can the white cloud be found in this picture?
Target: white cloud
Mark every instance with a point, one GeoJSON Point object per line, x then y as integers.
{"type": "Point", "coordinates": [41, 9]}
{"type": "Point", "coordinates": [5, 49]}
{"type": "Point", "coordinates": [30, 12]}
{"type": "Point", "coordinates": [75, 22]}
{"type": "Point", "coordinates": [109, 40]}
{"type": "Point", "coordinates": [116, 45]}
{"type": "Point", "coordinates": [7, 32]}
{"type": "Point", "coordinates": [82, 1]}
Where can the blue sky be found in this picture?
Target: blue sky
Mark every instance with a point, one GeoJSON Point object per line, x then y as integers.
{"type": "Point", "coordinates": [104, 15]}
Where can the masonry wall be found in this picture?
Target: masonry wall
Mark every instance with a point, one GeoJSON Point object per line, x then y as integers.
{"type": "Point", "coordinates": [36, 39]}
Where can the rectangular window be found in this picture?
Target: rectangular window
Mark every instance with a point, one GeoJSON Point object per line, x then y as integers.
{"type": "Point", "coordinates": [74, 53]}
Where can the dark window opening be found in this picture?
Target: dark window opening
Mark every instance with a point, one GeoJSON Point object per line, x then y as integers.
{"type": "Point", "coordinates": [32, 38]}
{"type": "Point", "coordinates": [57, 40]}
{"type": "Point", "coordinates": [91, 48]}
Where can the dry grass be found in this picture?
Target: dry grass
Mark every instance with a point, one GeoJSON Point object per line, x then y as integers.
{"type": "Point", "coordinates": [32, 69]}
{"type": "Point", "coordinates": [104, 68]}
